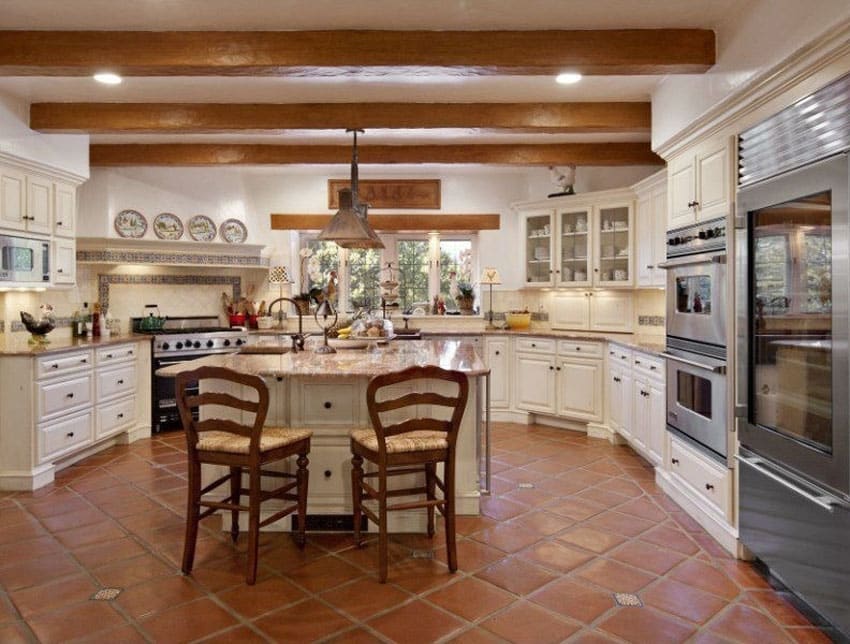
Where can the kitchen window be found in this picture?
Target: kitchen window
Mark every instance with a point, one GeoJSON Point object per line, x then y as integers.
{"type": "Point", "coordinates": [421, 264]}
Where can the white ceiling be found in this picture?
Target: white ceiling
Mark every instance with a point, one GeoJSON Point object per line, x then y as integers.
{"type": "Point", "coordinates": [153, 15]}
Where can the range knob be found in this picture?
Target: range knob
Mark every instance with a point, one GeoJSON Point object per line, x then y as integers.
{"type": "Point", "coordinates": [197, 344]}
{"type": "Point", "coordinates": [179, 345]}
{"type": "Point", "coordinates": [719, 232]}
{"type": "Point", "coordinates": [210, 343]}
{"type": "Point", "coordinates": [675, 241]}
{"type": "Point", "coordinates": [165, 346]}
{"type": "Point", "coordinates": [227, 343]}
{"type": "Point", "coordinates": [239, 342]}
{"type": "Point", "coordinates": [704, 234]}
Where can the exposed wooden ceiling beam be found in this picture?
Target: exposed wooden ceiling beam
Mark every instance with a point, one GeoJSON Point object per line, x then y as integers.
{"type": "Point", "coordinates": [199, 154]}
{"type": "Point", "coordinates": [253, 53]}
{"type": "Point", "coordinates": [100, 118]}
{"type": "Point", "coordinates": [392, 222]}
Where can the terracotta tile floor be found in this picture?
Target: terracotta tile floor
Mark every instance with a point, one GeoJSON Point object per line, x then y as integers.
{"type": "Point", "coordinates": [540, 565]}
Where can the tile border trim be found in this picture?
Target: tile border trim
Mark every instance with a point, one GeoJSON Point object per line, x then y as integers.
{"type": "Point", "coordinates": [105, 281]}
{"type": "Point", "coordinates": [186, 259]}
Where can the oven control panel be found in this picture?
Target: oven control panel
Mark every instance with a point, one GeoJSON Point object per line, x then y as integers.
{"type": "Point", "coordinates": [704, 237]}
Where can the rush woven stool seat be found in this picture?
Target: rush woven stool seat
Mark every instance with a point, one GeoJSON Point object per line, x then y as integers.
{"type": "Point", "coordinates": [243, 447]}
{"type": "Point", "coordinates": [411, 445]}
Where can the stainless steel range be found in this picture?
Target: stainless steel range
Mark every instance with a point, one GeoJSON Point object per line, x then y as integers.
{"type": "Point", "coordinates": [180, 340]}
{"type": "Point", "coordinates": [696, 335]}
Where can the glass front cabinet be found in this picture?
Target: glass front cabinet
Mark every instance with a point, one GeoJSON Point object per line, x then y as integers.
{"type": "Point", "coordinates": [579, 245]}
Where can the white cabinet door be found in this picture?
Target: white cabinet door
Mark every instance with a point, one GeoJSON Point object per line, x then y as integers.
{"type": "Point", "coordinates": [570, 310]}
{"type": "Point", "coordinates": [12, 199]}
{"type": "Point", "coordinates": [610, 311]}
{"type": "Point", "coordinates": [645, 251]}
{"type": "Point", "coordinates": [39, 205]}
{"type": "Point", "coordinates": [681, 192]}
{"type": "Point", "coordinates": [534, 382]}
{"type": "Point", "coordinates": [612, 243]}
{"type": "Point", "coordinates": [64, 261]}
{"type": "Point", "coordinates": [615, 397]}
{"type": "Point", "coordinates": [657, 421]}
{"type": "Point", "coordinates": [626, 417]}
{"type": "Point", "coordinates": [713, 181]}
{"type": "Point", "coordinates": [65, 206]}
{"type": "Point", "coordinates": [539, 247]}
{"type": "Point", "coordinates": [659, 236]}
{"type": "Point", "coordinates": [638, 395]}
{"type": "Point", "coordinates": [580, 389]}
{"type": "Point", "coordinates": [497, 360]}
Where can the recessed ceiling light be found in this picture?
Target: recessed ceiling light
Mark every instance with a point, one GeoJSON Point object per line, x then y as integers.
{"type": "Point", "coordinates": [108, 78]}
{"type": "Point", "coordinates": [568, 78]}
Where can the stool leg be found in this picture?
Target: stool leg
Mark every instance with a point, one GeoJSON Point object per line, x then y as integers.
{"type": "Point", "coordinates": [357, 495]}
{"type": "Point", "coordinates": [449, 512]}
{"type": "Point", "coordinates": [235, 485]}
{"type": "Point", "coordinates": [431, 492]}
{"type": "Point", "coordinates": [302, 478]}
{"type": "Point", "coordinates": [192, 512]}
{"type": "Point", "coordinates": [253, 524]}
{"type": "Point", "coordinates": [383, 539]}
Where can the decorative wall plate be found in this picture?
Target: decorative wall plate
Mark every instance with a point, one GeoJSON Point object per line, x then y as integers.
{"type": "Point", "coordinates": [233, 231]}
{"type": "Point", "coordinates": [168, 226]}
{"type": "Point", "coordinates": [131, 224]}
{"type": "Point", "coordinates": [201, 228]}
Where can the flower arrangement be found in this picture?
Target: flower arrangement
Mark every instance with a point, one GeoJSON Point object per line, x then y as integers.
{"type": "Point", "coordinates": [465, 290]}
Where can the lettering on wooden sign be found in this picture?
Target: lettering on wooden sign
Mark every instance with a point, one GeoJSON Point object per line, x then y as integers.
{"type": "Point", "coordinates": [390, 193]}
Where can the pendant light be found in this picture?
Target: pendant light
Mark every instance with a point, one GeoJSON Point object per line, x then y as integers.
{"type": "Point", "coordinates": [349, 227]}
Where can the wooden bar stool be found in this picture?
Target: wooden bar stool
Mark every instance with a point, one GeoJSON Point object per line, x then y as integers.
{"type": "Point", "coordinates": [244, 447]}
{"type": "Point", "coordinates": [414, 445]}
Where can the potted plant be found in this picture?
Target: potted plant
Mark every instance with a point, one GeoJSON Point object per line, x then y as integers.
{"type": "Point", "coordinates": [465, 298]}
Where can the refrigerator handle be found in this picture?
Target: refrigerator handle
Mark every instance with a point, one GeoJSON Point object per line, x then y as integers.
{"type": "Point", "coordinates": [828, 503]}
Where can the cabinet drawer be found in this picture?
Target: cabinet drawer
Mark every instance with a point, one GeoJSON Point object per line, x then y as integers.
{"type": "Point", "coordinates": [58, 397]}
{"type": "Point", "coordinates": [568, 348]}
{"type": "Point", "coordinates": [536, 345]}
{"type": "Point", "coordinates": [709, 479]}
{"type": "Point", "coordinates": [619, 355]}
{"type": "Point", "coordinates": [115, 415]}
{"type": "Point", "coordinates": [64, 435]}
{"type": "Point", "coordinates": [116, 353]}
{"type": "Point", "coordinates": [647, 365]}
{"type": "Point", "coordinates": [326, 404]}
{"type": "Point", "coordinates": [114, 382]}
{"type": "Point", "coordinates": [52, 365]}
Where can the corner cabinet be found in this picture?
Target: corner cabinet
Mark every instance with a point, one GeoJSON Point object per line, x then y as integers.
{"type": "Point", "coordinates": [651, 229]}
{"type": "Point", "coordinates": [701, 183]}
{"type": "Point", "coordinates": [579, 241]}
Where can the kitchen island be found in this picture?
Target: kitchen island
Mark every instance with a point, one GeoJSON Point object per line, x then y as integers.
{"type": "Point", "coordinates": [326, 393]}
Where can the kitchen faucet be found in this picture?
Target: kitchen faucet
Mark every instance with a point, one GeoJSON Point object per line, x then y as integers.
{"type": "Point", "coordinates": [297, 338]}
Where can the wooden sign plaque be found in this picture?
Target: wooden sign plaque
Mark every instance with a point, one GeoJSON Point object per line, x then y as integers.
{"type": "Point", "coordinates": [390, 193]}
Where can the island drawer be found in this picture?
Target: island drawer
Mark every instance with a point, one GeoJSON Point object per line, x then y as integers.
{"type": "Point", "coordinates": [648, 365]}
{"type": "Point", "coordinates": [619, 355]}
{"type": "Point", "coordinates": [709, 479]}
{"type": "Point", "coordinates": [116, 353]}
{"type": "Point", "coordinates": [325, 404]}
{"type": "Point", "coordinates": [536, 345]}
{"type": "Point", "coordinates": [62, 436]}
{"type": "Point", "coordinates": [66, 395]}
{"type": "Point", "coordinates": [114, 382]}
{"type": "Point", "coordinates": [580, 349]}
{"type": "Point", "coordinates": [56, 364]}
{"type": "Point", "coordinates": [115, 415]}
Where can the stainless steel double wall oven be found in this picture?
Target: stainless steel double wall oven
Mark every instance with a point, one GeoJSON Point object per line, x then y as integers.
{"type": "Point", "coordinates": [793, 378]}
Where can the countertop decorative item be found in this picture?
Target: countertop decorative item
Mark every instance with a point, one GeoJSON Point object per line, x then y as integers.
{"type": "Point", "coordinates": [167, 225]}
{"type": "Point", "coordinates": [233, 231]}
{"type": "Point", "coordinates": [490, 276]}
{"type": "Point", "coordinates": [41, 327]}
{"type": "Point", "coordinates": [201, 228]}
{"type": "Point", "coordinates": [131, 224]}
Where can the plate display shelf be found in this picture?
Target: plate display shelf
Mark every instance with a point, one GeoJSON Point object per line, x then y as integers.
{"type": "Point", "coordinates": [98, 250]}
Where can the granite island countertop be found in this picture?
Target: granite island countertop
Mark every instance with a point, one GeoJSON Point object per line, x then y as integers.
{"type": "Point", "coordinates": [18, 343]}
{"type": "Point", "coordinates": [393, 356]}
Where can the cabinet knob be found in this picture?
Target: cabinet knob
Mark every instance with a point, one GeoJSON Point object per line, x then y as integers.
{"type": "Point", "coordinates": [328, 474]}
{"type": "Point", "coordinates": [533, 345]}
{"type": "Point", "coordinates": [595, 270]}
{"type": "Point", "coordinates": [130, 352]}
{"type": "Point", "coordinates": [637, 361]}
{"type": "Point", "coordinates": [328, 404]}
{"type": "Point", "coordinates": [59, 270]}
{"type": "Point", "coordinates": [70, 434]}
{"type": "Point", "coordinates": [54, 366]}
{"type": "Point", "coordinates": [58, 223]}
{"type": "Point", "coordinates": [558, 271]}
{"type": "Point", "coordinates": [557, 368]}
{"type": "Point", "coordinates": [70, 395]}
{"type": "Point", "coordinates": [693, 204]}
{"type": "Point", "coordinates": [84, 360]}
{"type": "Point", "coordinates": [498, 353]}
{"type": "Point", "coordinates": [674, 461]}
{"type": "Point", "coordinates": [551, 368]}
{"type": "Point", "coordinates": [109, 355]}
{"type": "Point", "coordinates": [120, 382]}
{"type": "Point", "coordinates": [652, 367]}
{"type": "Point", "coordinates": [279, 378]}
{"type": "Point", "coordinates": [709, 487]}
{"type": "Point", "coordinates": [578, 348]}
{"type": "Point", "coordinates": [120, 416]}
{"type": "Point", "coordinates": [650, 266]}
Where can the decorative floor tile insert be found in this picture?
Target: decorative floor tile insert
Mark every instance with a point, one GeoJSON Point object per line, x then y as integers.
{"type": "Point", "coordinates": [627, 599]}
{"type": "Point", "coordinates": [526, 486]}
{"type": "Point", "coordinates": [106, 594]}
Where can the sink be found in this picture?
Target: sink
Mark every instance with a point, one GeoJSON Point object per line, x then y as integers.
{"type": "Point", "coordinates": [264, 349]}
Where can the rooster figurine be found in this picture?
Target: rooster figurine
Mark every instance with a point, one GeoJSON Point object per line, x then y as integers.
{"type": "Point", "coordinates": [329, 291]}
{"type": "Point", "coordinates": [39, 328]}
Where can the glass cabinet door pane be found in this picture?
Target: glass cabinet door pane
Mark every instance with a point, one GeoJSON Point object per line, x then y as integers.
{"type": "Point", "coordinates": [574, 267]}
{"type": "Point", "coordinates": [791, 325]}
{"type": "Point", "coordinates": [538, 245]}
{"type": "Point", "coordinates": [613, 246]}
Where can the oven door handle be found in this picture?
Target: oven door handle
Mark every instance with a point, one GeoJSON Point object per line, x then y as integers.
{"type": "Point", "coordinates": [721, 369]}
{"type": "Point", "coordinates": [702, 258]}
{"type": "Point", "coordinates": [827, 502]}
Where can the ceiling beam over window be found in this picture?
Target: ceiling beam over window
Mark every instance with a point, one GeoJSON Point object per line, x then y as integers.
{"type": "Point", "coordinates": [101, 118]}
{"type": "Point", "coordinates": [200, 154]}
{"type": "Point", "coordinates": [393, 222]}
{"type": "Point", "coordinates": [277, 53]}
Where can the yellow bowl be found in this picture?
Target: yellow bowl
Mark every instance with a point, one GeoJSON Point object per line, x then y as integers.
{"type": "Point", "coordinates": [518, 320]}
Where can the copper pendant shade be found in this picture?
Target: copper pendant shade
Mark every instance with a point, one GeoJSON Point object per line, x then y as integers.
{"type": "Point", "coordinates": [349, 227]}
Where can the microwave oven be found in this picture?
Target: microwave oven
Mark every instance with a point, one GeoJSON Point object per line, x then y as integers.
{"type": "Point", "coordinates": [24, 260]}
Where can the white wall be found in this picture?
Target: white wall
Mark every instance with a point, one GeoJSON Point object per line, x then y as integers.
{"type": "Point", "coordinates": [750, 41]}
{"type": "Point", "coordinates": [68, 152]}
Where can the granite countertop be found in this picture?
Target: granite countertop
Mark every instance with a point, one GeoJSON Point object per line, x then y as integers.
{"type": "Point", "coordinates": [393, 356]}
{"type": "Point", "coordinates": [18, 343]}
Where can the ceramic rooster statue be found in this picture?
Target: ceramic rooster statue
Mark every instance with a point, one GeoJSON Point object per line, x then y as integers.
{"type": "Point", "coordinates": [39, 328]}
{"type": "Point", "coordinates": [564, 179]}
{"type": "Point", "coordinates": [329, 291]}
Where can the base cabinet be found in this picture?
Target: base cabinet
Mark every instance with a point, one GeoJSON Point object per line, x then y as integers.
{"type": "Point", "coordinates": [497, 355]}
{"type": "Point", "coordinates": [534, 378]}
{"type": "Point", "coordinates": [580, 388]}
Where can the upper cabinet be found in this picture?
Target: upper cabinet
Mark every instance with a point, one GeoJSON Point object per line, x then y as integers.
{"type": "Point", "coordinates": [579, 241]}
{"type": "Point", "coordinates": [13, 191]}
{"type": "Point", "coordinates": [64, 209]}
{"type": "Point", "coordinates": [700, 183]}
{"type": "Point", "coordinates": [651, 230]}
{"type": "Point", "coordinates": [39, 205]}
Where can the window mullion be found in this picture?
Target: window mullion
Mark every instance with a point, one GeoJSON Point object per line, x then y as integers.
{"type": "Point", "coordinates": [433, 265]}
